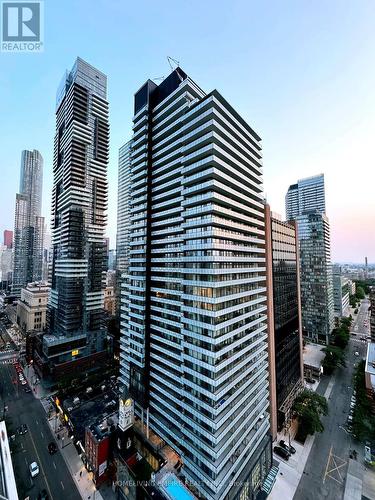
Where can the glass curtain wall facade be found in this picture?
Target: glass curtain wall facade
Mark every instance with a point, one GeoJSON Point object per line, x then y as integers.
{"type": "Point", "coordinates": [285, 321]}
{"type": "Point", "coordinates": [305, 196]}
{"type": "Point", "coordinates": [28, 223]}
{"type": "Point", "coordinates": [196, 327]}
{"type": "Point", "coordinates": [305, 203]}
{"type": "Point", "coordinates": [79, 203]}
{"type": "Point", "coordinates": [316, 277]}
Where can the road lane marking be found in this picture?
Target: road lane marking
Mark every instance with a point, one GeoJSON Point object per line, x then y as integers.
{"type": "Point", "coordinates": [62, 486]}
{"type": "Point", "coordinates": [40, 464]}
{"type": "Point", "coordinates": [334, 465]}
{"type": "Point", "coordinates": [54, 464]}
{"type": "Point", "coordinates": [329, 459]}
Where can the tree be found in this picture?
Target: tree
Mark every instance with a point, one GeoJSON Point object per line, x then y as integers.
{"type": "Point", "coordinates": [363, 418]}
{"type": "Point", "coordinates": [341, 339]}
{"type": "Point", "coordinates": [360, 293]}
{"type": "Point", "coordinates": [334, 357]}
{"type": "Point", "coordinates": [308, 407]}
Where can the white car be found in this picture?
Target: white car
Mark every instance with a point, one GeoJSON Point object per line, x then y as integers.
{"type": "Point", "coordinates": [34, 469]}
{"type": "Point", "coordinates": [356, 353]}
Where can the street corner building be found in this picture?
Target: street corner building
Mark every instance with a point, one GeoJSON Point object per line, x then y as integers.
{"type": "Point", "coordinates": [75, 338]}
{"type": "Point", "coordinates": [193, 311]}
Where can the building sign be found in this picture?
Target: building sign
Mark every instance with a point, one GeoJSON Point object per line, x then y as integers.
{"type": "Point", "coordinates": [102, 467]}
{"type": "Point", "coordinates": [126, 414]}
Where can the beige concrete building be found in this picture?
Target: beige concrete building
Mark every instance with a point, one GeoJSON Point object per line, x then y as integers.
{"type": "Point", "coordinates": [32, 307]}
{"type": "Point", "coordinates": [110, 300]}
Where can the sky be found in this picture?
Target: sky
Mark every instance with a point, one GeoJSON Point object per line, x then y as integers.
{"type": "Point", "coordinates": [301, 73]}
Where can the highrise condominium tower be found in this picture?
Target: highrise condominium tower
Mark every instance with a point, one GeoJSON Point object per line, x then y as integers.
{"type": "Point", "coordinates": [195, 322]}
{"type": "Point", "coordinates": [79, 202]}
{"type": "Point", "coordinates": [122, 240]}
{"type": "Point", "coordinates": [305, 203]}
{"type": "Point", "coordinates": [28, 224]}
{"type": "Point", "coordinates": [284, 318]}
{"type": "Point", "coordinates": [305, 196]}
{"type": "Point", "coordinates": [123, 247]}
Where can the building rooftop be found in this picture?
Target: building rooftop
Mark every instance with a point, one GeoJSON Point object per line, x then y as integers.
{"type": "Point", "coordinates": [37, 286]}
{"type": "Point", "coordinates": [84, 413]}
{"type": "Point", "coordinates": [104, 426]}
{"type": "Point", "coordinates": [313, 355]}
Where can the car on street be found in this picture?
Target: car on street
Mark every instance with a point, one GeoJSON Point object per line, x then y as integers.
{"type": "Point", "coordinates": [22, 429]}
{"type": "Point", "coordinates": [287, 447]}
{"type": "Point", "coordinates": [281, 452]}
{"type": "Point", "coordinates": [34, 469]}
{"type": "Point", "coordinates": [52, 448]}
{"type": "Point", "coordinates": [23, 382]}
{"type": "Point", "coordinates": [350, 419]}
{"type": "Point", "coordinates": [356, 353]}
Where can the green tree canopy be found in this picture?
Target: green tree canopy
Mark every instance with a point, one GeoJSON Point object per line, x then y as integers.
{"type": "Point", "coordinates": [335, 356]}
{"type": "Point", "coordinates": [308, 407]}
{"type": "Point", "coordinates": [360, 293]}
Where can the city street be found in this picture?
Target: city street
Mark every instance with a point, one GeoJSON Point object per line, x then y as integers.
{"type": "Point", "coordinates": [23, 408]}
{"type": "Point", "coordinates": [325, 471]}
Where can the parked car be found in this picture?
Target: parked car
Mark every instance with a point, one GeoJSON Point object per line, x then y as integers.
{"type": "Point", "coordinates": [52, 448]}
{"type": "Point", "coordinates": [281, 452]}
{"type": "Point", "coordinates": [23, 382]}
{"type": "Point", "coordinates": [287, 447]}
{"type": "Point", "coordinates": [43, 495]}
{"type": "Point", "coordinates": [356, 353]}
{"type": "Point", "coordinates": [350, 419]}
{"type": "Point", "coordinates": [310, 380]}
{"type": "Point", "coordinates": [27, 389]}
{"type": "Point", "coordinates": [34, 469]}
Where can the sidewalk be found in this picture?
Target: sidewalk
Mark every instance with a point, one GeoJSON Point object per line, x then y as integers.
{"type": "Point", "coordinates": [33, 380]}
{"type": "Point", "coordinates": [290, 472]}
{"type": "Point", "coordinates": [81, 477]}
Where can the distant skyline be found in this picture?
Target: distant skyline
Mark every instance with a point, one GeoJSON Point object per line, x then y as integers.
{"type": "Point", "coordinates": [300, 74]}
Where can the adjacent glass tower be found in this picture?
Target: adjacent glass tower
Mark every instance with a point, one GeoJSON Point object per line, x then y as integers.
{"type": "Point", "coordinates": [195, 322]}
{"type": "Point", "coordinates": [306, 196]}
{"type": "Point", "coordinates": [28, 224]}
{"type": "Point", "coordinates": [305, 203]}
{"type": "Point", "coordinates": [79, 203]}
